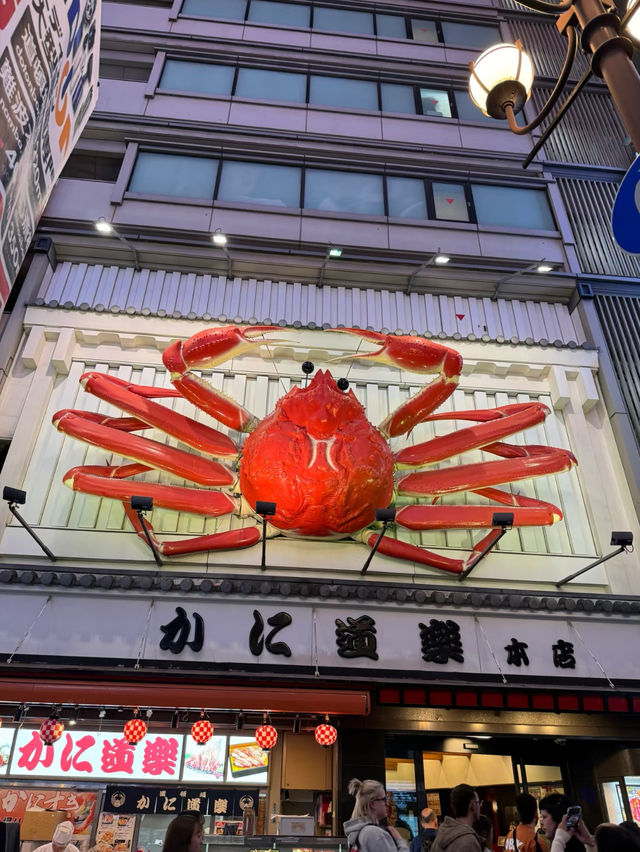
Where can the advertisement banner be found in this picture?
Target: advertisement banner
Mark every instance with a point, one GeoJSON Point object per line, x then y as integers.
{"type": "Point", "coordinates": [80, 806]}
{"type": "Point", "coordinates": [48, 88]}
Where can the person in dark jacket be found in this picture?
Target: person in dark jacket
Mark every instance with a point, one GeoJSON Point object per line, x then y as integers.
{"type": "Point", "coordinates": [456, 833]}
{"type": "Point", "coordinates": [427, 832]}
{"type": "Point", "coordinates": [552, 810]}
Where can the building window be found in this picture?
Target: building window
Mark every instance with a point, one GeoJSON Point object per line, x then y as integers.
{"type": "Point", "coordinates": [512, 207]}
{"type": "Point", "coordinates": [435, 102]}
{"type": "Point", "coordinates": [391, 26]}
{"type": "Point", "coordinates": [200, 77]}
{"type": "Point", "coordinates": [450, 201]}
{"type": "Point", "coordinates": [398, 98]}
{"type": "Point", "coordinates": [92, 167]}
{"type": "Point", "coordinates": [233, 10]}
{"type": "Point", "coordinates": [341, 92]}
{"type": "Point", "coordinates": [344, 191]}
{"type": "Point", "coordinates": [282, 14]}
{"type": "Point", "coordinates": [260, 183]}
{"type": "Point", "coordinates": [468, 111]}
{"type": "Point", "coordinates": [422, 30]}
{"type": "Point", "coordinates": [271, 85]}
{"type": "Point", "coordinates": [470, 35]}
{"type": "Point", "coordinates": [406, 198]}
{"type": "Point", "coordinates": [342, 20]}
{"type": "Point", "coordinates": [174, 174]}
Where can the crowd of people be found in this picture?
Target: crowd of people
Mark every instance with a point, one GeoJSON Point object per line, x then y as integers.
{"type": "Point", "coordinates": [562, 828]}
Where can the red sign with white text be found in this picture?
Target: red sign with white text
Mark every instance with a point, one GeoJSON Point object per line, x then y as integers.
{"type": "Point", "coordinates": [80, 807]}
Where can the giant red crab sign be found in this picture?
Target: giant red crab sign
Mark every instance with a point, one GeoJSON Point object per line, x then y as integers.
{"type": "Point", "coordinates": [316, 455]}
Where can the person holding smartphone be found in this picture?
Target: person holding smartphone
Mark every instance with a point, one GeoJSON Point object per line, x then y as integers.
{"type": "Point", "coordinates": [563, 825]}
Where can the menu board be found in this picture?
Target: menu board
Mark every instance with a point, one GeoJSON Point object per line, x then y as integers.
{"type": "Point", "coordinates": [204, 762]}
{"type": "Point", "coordinates": [115, 833]}
{"type": "Point", "coordinates": [248, 763]}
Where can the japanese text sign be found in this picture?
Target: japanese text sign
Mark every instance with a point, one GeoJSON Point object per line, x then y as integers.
{"type": "Point", "coordinates": [80, 806]}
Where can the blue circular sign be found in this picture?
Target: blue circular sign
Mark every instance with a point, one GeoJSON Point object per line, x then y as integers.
{"type": "Point", "coordinates": [625, 219]}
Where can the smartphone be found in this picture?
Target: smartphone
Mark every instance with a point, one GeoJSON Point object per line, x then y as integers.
{"type": "Point", "coordinates": [573, 817]}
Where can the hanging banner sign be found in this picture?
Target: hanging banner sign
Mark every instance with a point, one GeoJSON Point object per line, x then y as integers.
{"type": "Point", "coordinates": [80, 806]}
{"type": "Point", "coordinates": [225, 802]}
{"type": "Point", "coordinates": [48, 88]}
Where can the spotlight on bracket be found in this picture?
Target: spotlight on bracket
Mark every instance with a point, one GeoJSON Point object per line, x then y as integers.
{"type": "Point", "coordinates": [16, 497]}
{"type": "Point", "coordinates": [267, 510]}
{"type": "Point", "coordinates": [387, 516]}
{"type": "Point", "coordinates": [140, 505]}
{"type": "Point", "coordinates": [622, 539]}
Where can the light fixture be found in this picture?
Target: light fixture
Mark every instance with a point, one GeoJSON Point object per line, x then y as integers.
{"type": "Point", "coordinates": [501, 523]}
{"type": "Point", "coordinates": [202, 729]}
{"type": "Point", "coordinates": [51, 729]}
{"type": "Point", "coordinates": [620, 539]}
{"type": "Point", "coordinates": [240, 721]}
{"type": "Point", "coordinates": [387, 516]}
{"type": "Point", "coordinates": [544, 267]}
{"type": "Point", "coordinates": [266, 735]}
{"type": "Point", "coordinates": [135, 729]}
{"type": "Point", "coordinates": [265, 509]}
{"type": "Point", "coordinates": [74, 718]}
{"type": "Point", "coordinates": [219, 237]}
{"type": "Point", "coordinates": [334, 251]}
{"type": "Point", "coordinates": [441, 259]}
{"type": "Point", "coordinates": [175, 719]}
{"type": "Point", "coordinates": [438, 257]}
{"type": "Point", "coordinates": [296, 725]}
{"type": "Point", "coordinates": [325, 734]}
{"type": "Point", "coordinates": [14, 497]}
{"type": "Point", "coordinates": [140, 505]}
{"type": "Point", "coordinates": [103, 226]}
{"type": "Point", "coordinates": [501, 77]}
{"type": "Point", "coordinates": [20, 714]}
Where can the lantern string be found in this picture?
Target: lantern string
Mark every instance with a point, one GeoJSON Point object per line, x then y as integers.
{"type": "Point", "coordinates": [143, 637]}
{"type": "Point", "coordinates": [30, 628]}
{"type": "Point", "coordinates": [486, 639]}
{"type": "Point", "coordinates": [592, 655]}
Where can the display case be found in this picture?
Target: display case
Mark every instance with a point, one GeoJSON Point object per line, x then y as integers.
{"type": "Point", "coordinates": [269, 843]}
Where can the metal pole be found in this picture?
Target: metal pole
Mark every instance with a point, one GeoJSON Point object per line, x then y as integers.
{"type": "Point", "coordinates": [374, 548]}
{"type": "Point", "coordinates": [589, 567]}
{"type": "Point", "coordinates": [19, 517]}
{"type": "Point", "coordinates": [148, 537]}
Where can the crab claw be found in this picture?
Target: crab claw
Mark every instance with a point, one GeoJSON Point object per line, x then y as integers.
{"type": "Point", "coordinates": [418, 355]}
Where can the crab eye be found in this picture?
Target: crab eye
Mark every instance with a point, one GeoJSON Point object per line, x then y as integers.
{"type": "Point", "coordinates": [342, 384]}
{"type": "Point", "coordinates": [308, 367]}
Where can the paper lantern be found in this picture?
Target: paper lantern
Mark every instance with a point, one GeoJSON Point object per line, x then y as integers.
{"type": "Point", "coordinates": [326, 735]}
{"type": "Point", "coordinates": [202, 730]}
{"type": "Point", "coordinates": [266, 737]}
{"type": "Point", "coordinates": [51, 730]}
{"type": "Point", "coordinates": [135, 729]}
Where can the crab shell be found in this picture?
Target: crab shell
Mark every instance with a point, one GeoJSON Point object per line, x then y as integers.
{"type": "Point", "coordinates": [320, 460]}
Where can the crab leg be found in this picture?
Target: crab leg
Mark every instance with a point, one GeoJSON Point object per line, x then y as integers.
{"type": "Point", "coordinates": [419, 356]}
{"type": "Point", "coordinates": [205, 350]}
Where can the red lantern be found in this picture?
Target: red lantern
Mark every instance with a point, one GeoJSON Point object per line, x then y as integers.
{"type": "Point", "coordinates": [135, 729]}
{"type": "Point", "coordinates": [266, 737]}
{"type": "Point", "coordinates": [51, 730]}
{"type": "Point", "coordinates": [326, 734]}
{"type": "Point", "coordinates": [202, 730]}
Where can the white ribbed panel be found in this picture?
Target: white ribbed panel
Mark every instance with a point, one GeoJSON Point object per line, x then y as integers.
{"type": "Point", "coordinates": [191, 296]}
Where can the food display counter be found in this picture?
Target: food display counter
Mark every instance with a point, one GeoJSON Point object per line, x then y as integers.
{"type": "Point", "coordinates": [269, 843]}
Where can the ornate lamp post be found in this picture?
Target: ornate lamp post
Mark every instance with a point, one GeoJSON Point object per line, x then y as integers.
{"type": "Point", "coordinates": [501, 78]}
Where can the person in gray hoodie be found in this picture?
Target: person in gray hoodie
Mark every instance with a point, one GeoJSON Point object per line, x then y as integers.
{"type": "Point", "coordinates": [457, 835]}
{"type": "Point", "coordinates": [363, 830]}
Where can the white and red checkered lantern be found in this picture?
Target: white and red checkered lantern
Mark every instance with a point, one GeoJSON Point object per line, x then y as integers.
{"type": "Point", "coordinates": [202, 731]}
{"type": "Point", "coordinates": [135, 730]}
{"type": "Point", "coordinates": [326, 735]}
{"type": "Point", "coordinates": [266, 737]}
{"type": "Point", "coordinates": [51, 730]}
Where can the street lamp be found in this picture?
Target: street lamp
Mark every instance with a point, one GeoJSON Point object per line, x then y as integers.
{"type": "Point", "coordinates": [502, 76]}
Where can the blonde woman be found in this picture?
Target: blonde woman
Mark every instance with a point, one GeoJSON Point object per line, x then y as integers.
{"type": "Point", "coordinates": [363, 830]}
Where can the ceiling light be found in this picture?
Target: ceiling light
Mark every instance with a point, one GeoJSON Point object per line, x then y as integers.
{"type": "Point", "coordinates": [441, 258]}
{"type": "Point", "coordinates": [544, 267]}
{"type": "Point", "coordinates": [219, 238]}
{"type": "Point", "coordinates": [334, 251]}
{"type": "Point", "coordinates": [103, 226]}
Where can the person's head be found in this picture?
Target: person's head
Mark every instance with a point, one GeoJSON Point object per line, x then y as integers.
{"type": "Point", "coordinates": [483, 827]}
{"type": "Point", "coordinates": [465, 803]}
{"type": "Point", "coordinates": [527, 808]}
{"type": "Point", "coordinates": [616, 838]}
{"type": "Point", "coordinates": [371, 800]}
{"type": "Point", "coordinates": [184, 833]}
{"type": "Point", "coordinates": [552, 808]}
{"type": "Point", "coordinates": [428, 818]}
{"type": "Point", "coordinates": [62, 836]}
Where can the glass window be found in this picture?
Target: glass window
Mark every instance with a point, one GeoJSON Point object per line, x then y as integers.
{"type": "Point", "coordinates": [450, 202]}
{"type": "Point", "coordinates": [232, 10]}
{"type": "Point", "coordinates": [435, 102]}
{"type": "Point", "coordinates": [196, 77]}
{"type": "Point", "coordinates": [406, 198]}
{"type": "Point", "coordinates": [391, 26]}
{"type": "Point", "coordinates": [271, 85]}
{"type": "Point", "coordinates": [341, 92]}
{"type": "Point", "coordinates": [512, 207]}
{"type": "Point", "coordinates": [468, 111]}
{"type": "Point", "coordinates": [396, 98]}
{"type": "Point", "coordinates": [346, 191]}
{"type": "Point", "coordinates": [284, 14]}
{"type": "Point", "coordinates": [260, 183]}
{"type": "Point", "coordinates": [470, 35]}
{"type": "Point", "coordinates": [424, 30]}
{"type": "Point", "coordinates": [174, 174]}
{"type": "Point", "coordinates": [342, 20]}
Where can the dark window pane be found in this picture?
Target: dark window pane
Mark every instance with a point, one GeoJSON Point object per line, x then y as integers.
{"type": "Point", "coordinates": [260, 183]}
{"type": "Point", "coordinates": [422, 30]}
{"type": "Point", "coordinates": [283, 14]}
{"type": "Point", "coordinates": [435, 102]}
{"type": "Point", "coordinates": [201, 77]}
{"type": "Point", "coordinates": [336, 91]}
{"type": "Point", "coordinates": [271, 85]}
{"type": "Point", "coordinates": [450, 202]}
{"type": "Point", "coordinates": [470, 35]}
{"type": "Point", "coordinates": [512, 207]}
{"type": "Point", "coordinates": [342, 20]}
{"type": "Point", "coordinates": [397, 98]}
{"type": "Point", "coordinates": [92, 167]}
{"type": "Point", "coordinates": [468, 111]}
{"type": "Point", "coordinates": [391, 26]}
{"type": "Point", "coordinates": [174, 174]}
{"type": "Point", "coordinates": [346, 191]}
{"type": "Point", "coordinates": [406, 198]}
{"type": "Point", "coordinates": [232, 10]}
